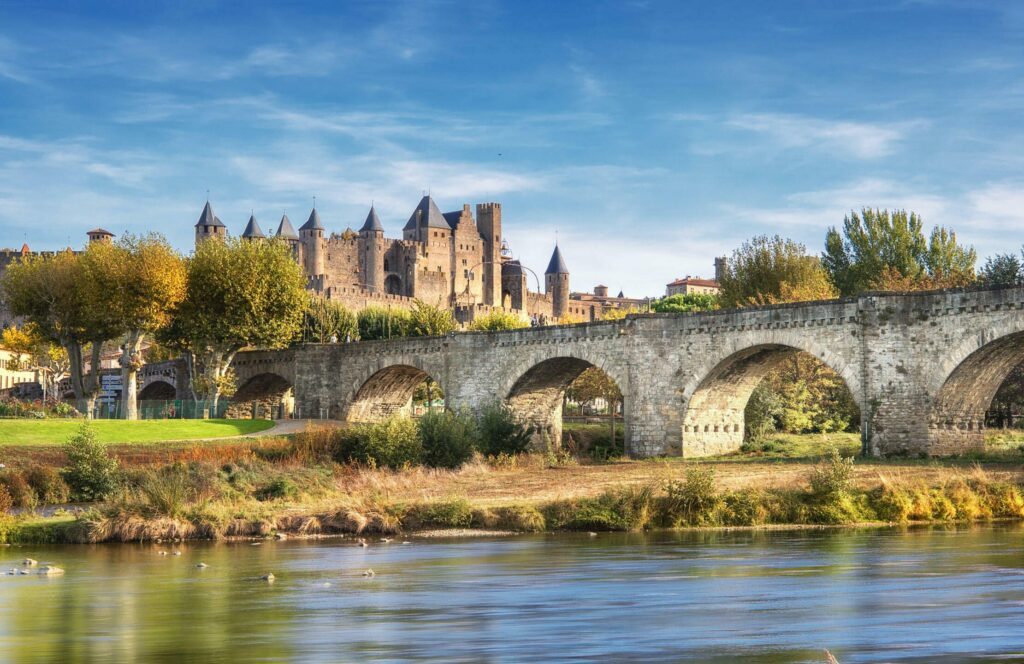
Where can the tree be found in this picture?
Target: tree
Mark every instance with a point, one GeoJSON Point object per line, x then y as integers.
{"type": "Point", "coordinates": [145, 280]}
{"type": "Point", "coordinates": [380, 323]}
{"type": "Point", "coordinates": [496, 321]}
{"type": "Point", "coordinates": [595, 384]}
{"type": "Point", "coordinates": [618, 313]}
{"type": "Point", "coordinates": [36, 353]}
{"type": "Point", "coordinates": [239, 294]}
{"type": "Point", "coordinates": [1001, 270]}
{"type": "Point", "coordinates": [685, 303]}
{"type": "Point", "coordinates": [61, 295]}
{"type": "Point", "coordinates": [879, 249]}
{"type": "Point", "coordinates": [771, 270]}
{"type": "Point", "coordinates": [326, 320]}
{"type": "Point", "coordinates": [429, 320]}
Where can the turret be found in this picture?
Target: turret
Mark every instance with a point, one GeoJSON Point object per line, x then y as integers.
{"type": "Point", "coordinates": [721, 267]}
{"type": "Point", "coordinates": [556, 284]}
{"type": "Point", "coordinates": [99, 235]}
{"type": "Point", "coordinates": [371, 239]}
{"type": "Point", "coordinates": [286, 232]}
{"type": "Point", "coordinates": [209, 226]}
{"type": "Point", "coordinates": [488, 222]}
{"type": "Point", "coordinates": [252, 230]}
{"type": "Point", "coordinates": [311, 235]}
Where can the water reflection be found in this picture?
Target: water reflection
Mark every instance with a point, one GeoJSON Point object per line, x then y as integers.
{"type": "Point", "coordinates": [889, 595]}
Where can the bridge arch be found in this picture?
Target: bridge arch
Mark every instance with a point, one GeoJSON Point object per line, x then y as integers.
{"type": "Point", "coordinates": [158, 390]}
{"type": "Point", "coordinates": [388, 391]}
{"type": "Point", "coordinates": [964, 385]}
{"type": "Point", "coordinates": [264, 395]}
{"type": "Point", "coordinates": [717, 394]}
{"type": "Point", "coordinates": [536, 395]}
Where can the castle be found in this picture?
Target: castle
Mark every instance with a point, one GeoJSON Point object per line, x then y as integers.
{"type": "Point", "coordinates": [448, 259]}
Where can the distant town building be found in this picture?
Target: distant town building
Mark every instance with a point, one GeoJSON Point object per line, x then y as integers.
{"type": "Point", "coordinates": [12, 371]}
{"type": "Point", "coordinates": [692, 285]}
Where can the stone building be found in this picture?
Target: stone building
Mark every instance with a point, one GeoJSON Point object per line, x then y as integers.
{"type": "Point", "coordinates": [691, 285]}
{"type": "Point", "coordinates": [452, 259]}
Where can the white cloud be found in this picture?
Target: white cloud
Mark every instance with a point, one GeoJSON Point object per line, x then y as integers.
{"type": "Point", "coordinates": [840, 138]}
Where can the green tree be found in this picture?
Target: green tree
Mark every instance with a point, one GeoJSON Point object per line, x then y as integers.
{"type": "Point", "coordinates": [594, 384]}
{"type": "Point", "coordinates": [689, 302]}
{"type": "Point", "coordinates": [62, 296]}
{"type": "Point", "coordinates": [879, 249]}
{"type": "Point", "coordinates": [770, 270]}
{"type": "Point", "coordinates": [325, 320]}
{"type": "Point", "coordinates": [429, 320]}
{"type": "Point", "coordinates": [1001, 270]}
{"type": "Point", "coordinates": [496, 321]}
{"type": "Point", "coordinates": [239, 294]}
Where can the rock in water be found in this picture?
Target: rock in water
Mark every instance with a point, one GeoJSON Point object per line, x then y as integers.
{"type": "Point", "coordinates": [50, 570]}
{"type": "Point", "coordinates": [269, 578]}
{"type": "Point", "coordinates": [280, 536]}
{"type": "Point", "coordinates": [28, 562]}
{"type": "Point", "coordinates": [369, 572]}
{"type": "Point", "coordinates": [202, 565]}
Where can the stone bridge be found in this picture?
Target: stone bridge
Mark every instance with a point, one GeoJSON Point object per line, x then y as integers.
{"type": "Point", "coordinates": [922, 367]}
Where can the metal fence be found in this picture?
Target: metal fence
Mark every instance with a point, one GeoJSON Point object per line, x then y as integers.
{"type": "Point", "coordinates": [167, 409]}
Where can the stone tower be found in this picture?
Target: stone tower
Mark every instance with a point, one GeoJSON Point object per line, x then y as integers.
{"type": "Point", "coordinates": [371, 237]}
{"type": "Point", "coordinates": [488, 222]}
{"type": "Point", "coordinates": [209, 226]}
{"type": "Point", "coordinates": [99, 235]}
{"type": "Point", "coordinates": [721, 265]}
{"type": "Point", "coordinates": [556, 284]}
{"type": "Point", "coordinates": [252, 230]}
{"type": "Point", "coordinates": [311, 235]}
{"type": "Point", "coordinates": [286, 232]}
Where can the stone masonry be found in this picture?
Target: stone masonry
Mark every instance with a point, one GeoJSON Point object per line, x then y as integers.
{"type": "Point", "coordinates": [922, 367]}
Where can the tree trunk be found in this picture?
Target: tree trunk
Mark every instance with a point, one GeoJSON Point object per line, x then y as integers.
{"type": "Point", "coordinates": [91, 380]}
{"type": "Point", "coordinates": [74, 351]}
{"type": "Point", "coordinates": [131, 361]}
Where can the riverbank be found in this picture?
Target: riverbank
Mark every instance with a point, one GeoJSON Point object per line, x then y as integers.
{"type": "Point", "coordinates": [275, 486]}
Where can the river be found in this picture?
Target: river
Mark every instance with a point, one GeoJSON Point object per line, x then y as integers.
{"type": "Point", "coordinates": [909, 595]}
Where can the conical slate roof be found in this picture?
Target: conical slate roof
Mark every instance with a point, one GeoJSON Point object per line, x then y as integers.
{"type": "Point", "coordinates": [427, 215]}
{"type": "Point", "coordinates": [286, 230]}
{"type": "Point", "coordinates": [208, 218]}
{"type": "Point", "coordinates": [252, 229]}
{"type": "Point", "coordinates": [557, 264]}
{"type": "Point", "coordinates": [372, 222]}
{"type": "Point", "coordinates": [313, 223]}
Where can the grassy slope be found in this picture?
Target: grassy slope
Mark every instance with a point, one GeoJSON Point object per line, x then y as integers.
{"type": "Point", "coordinates": [17, 432]}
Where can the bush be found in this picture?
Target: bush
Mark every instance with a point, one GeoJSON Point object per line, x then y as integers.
{"type": "Point", "coordinates": [393, 443]}
{"type": "Point", "coordinates": [62, 409]}
{"type": "Point", "coordinates": [449, 439]}
{"type": "Point", "coordinates": [381, 323]}
{"type": "Point", "coordinates": [500, 432]}
{"type": "Point", "coordinates": [497, 321]}
{"type": "Point", "coordinates": [91, 471]}
{"type": "Point", "coordinates": [280, 489]}
{"type": "Point", "coordinates": [6, 502]}
{"type": "Point", "coordinates": [691, 501]}
{"type": "Point", "coordinates": [428, 320]}
{"type": "Point", "coordinates": [18, 488]}
{"type": "Point", "coordinates": [49, 487]}
{"type": "Point", "coordinates": [167, 491]}
{"type": "Point", "coordinates": [832, 477]}
{"type": "Point", "coordinates": [456, 513]}
{"type": "Point", "coordinates": [628, 508]}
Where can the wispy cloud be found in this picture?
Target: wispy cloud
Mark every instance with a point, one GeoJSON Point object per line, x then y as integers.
{"type": "Point", "coordinates": [840, 138]}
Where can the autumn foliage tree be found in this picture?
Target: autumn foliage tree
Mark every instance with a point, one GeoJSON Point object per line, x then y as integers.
{"type": "Point", "coordinates": [595, 384]}
{"type": "Point", "coordinates": [772, 270]}
{"type": "Point", "coordinates": [239, 294]}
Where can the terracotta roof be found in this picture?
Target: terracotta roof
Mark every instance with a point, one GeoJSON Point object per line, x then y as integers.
{"type": "Point", "coordinates": [100, 231]}
{"type": "Point", "coordinates": [693, 281]}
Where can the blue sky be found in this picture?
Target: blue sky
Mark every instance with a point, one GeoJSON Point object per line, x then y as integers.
{"type": "Point", "coordinates": [650, 135]}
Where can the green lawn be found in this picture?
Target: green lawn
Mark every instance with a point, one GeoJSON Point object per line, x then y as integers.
{"type": "Point", "coordinates": [55, 432]}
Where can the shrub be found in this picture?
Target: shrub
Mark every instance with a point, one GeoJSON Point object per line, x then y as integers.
{"type": "Point", "coordinates": [497, 321]}
{"type": "Point", "coordinates": [6, 502]}
{"type": "Point", "coordinates": [62, 409]}
{"type": "Point", "coordinates": [381, 323]}
{"type": "Point", "coordinates": [628, 508]}
{"type": "Point", "coordinates": [91, 471]}
{"type": "Point", "coordinates": [832, 477]}
{"type": "Point", "coordinates": [18, 488]}
{"type": "Point", "coordinates": [280, 489]}
{"type": "Point", "coordinates": [745, 508]}
{"type": "Point", "coordinates": [693, 500]}
{"type": "Point", "coordinates": [501, 433]}
{"type": "Point", "coordinates": [457, 513]}
{"type": "Point", "coordinates": [449, 439]}
{"type": "Point", "coordinates": [317, 445]}
{"type": "Point", "coordinates": [167, 491]}
{"type": "Point", "coordinates": [428, 320]}
{"type": "Point", "coordinates": [393, 443]}
{"type": "Point", "coordinates": [49, 487]}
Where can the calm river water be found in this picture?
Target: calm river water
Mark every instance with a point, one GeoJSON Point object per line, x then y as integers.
{"type": "Point", "coordinates": [868, 595]}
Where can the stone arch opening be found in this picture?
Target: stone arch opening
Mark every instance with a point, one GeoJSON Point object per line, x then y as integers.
{"type": "Point", "coordinates": [158, 390]}
{"type": "Point", "coordinates": [396, 390]}
{"type": "Point", "coordinates": [263, 396]}
{"type": "Point", "coordinates": [393, 284]}
{"type": "Point", "coordinates": [715, 420]}
{"type": "Point", "coordinates": [538, 398]}
{"type": "Point", "coordinates": [958, 415]}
